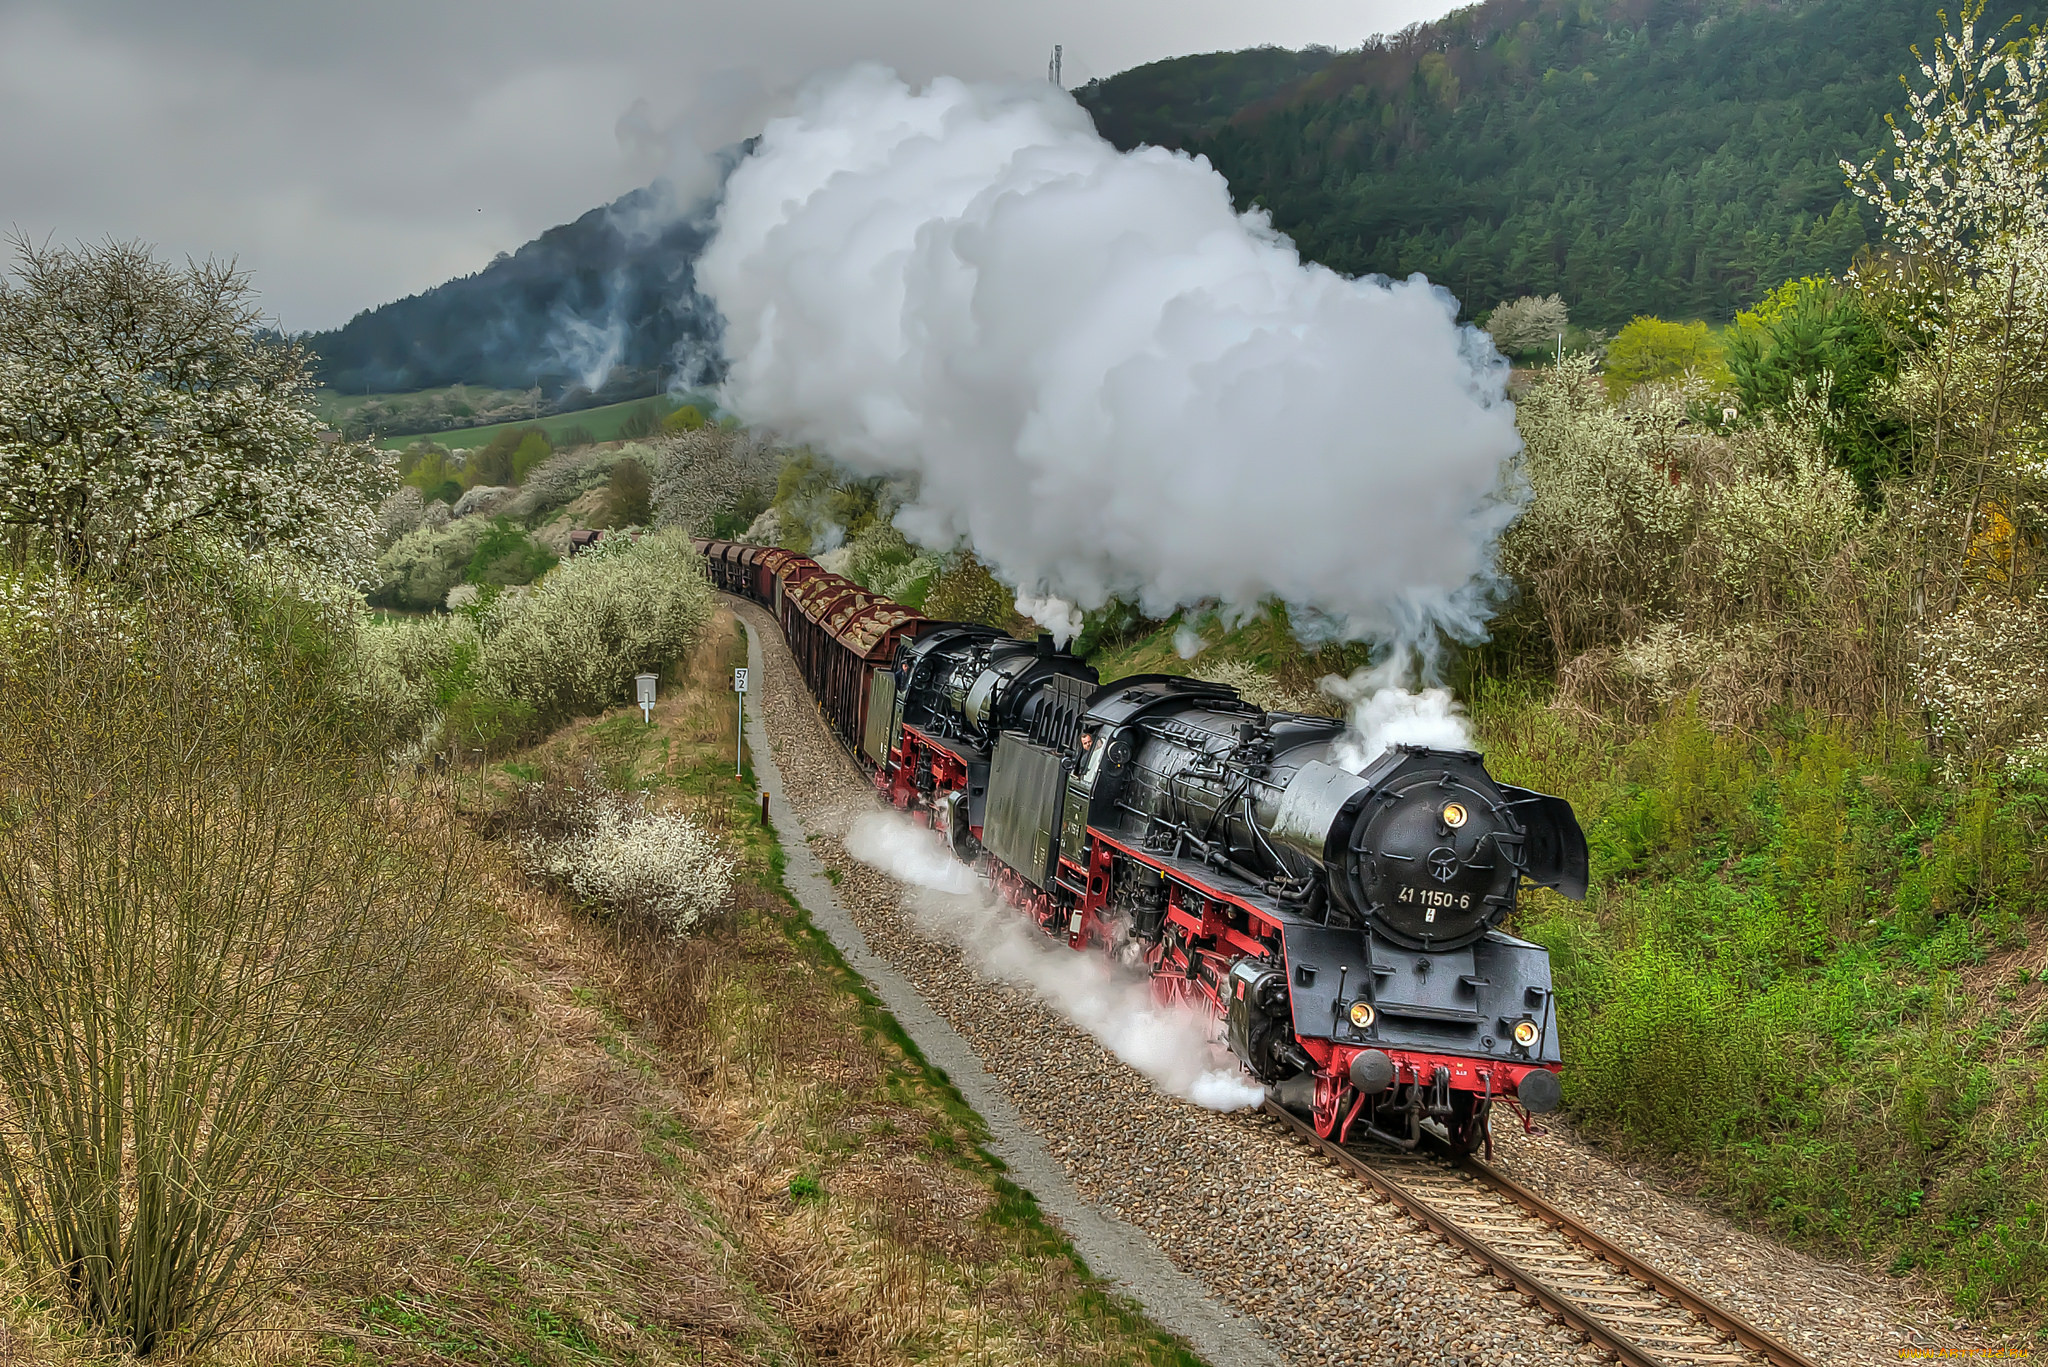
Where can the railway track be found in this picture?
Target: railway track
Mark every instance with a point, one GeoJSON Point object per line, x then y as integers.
{"type": "Point", "coordinates": [1630, 1310]}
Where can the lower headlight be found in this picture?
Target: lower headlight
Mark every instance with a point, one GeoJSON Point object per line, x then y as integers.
{"type": "Point", "coordinates": [1361, 1014]}
{"type": "Point", "coordinates": [1525, 1033]}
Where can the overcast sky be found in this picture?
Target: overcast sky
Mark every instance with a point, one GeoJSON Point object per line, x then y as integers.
{"type": "Point", "coordinates": [349, 154]}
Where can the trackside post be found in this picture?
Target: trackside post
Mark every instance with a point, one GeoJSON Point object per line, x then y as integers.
{"type": "Point", "coordinates": [739, 689]}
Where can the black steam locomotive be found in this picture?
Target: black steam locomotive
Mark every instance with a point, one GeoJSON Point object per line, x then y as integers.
{"type": "Point", "coordinates": [1344, 926]}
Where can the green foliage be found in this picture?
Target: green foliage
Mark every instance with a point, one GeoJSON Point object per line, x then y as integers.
{"type": "Point", "coordinates": [1676, 157]}
{"type": "Point", "coordinates": [498, 462]}
{"type": "Point", "coordinates": [753, 500]}
{"type": "Point", "coordinates": [819, 505]}
{"type": "Point", "coordinates": [1114, 624]}
{"type": "Point", "coordinates": [1812, 340]}
{"type": "Point", "coordinates": [688, 418]}
{"type": "Point", "coordinates": [1653, 349]}
{"type": "Point", "coordinates": [881, 559]}
{"type": "Point", "coordinates": [1767, 980]}
{"type": "Point", "coordinates": [505, 555]}
{"type": "Point", "coordinates": [533, 449]}
{"type": "Point", "coordinates": [630, 496]}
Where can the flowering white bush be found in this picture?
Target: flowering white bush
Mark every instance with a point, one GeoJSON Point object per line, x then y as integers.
{"type": "Point", "coordinates": [418, 570]}
{"type": "Point", "coordinates": [699, 474]}
{"type": "Point", "coordinates": [1970, 165]}
{"type": "Point", "coordinates": [575, 641]}
{"type": "Point", "coordinates": [399, 514]}
{"type": "Point", "coordinates": [1527, 322]}
{"type": "Point", "coordinates": [1983, 673]}
{"type": "Point", "coordinates": [561, 477]}
{"type": "Point", "coordinates": [139, 403]}
{"type": "Point", "coordinates": [635, 862]}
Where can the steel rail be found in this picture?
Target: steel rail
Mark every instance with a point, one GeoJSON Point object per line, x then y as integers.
{"type": "Point", "coordinates": [1771, 1348]}
{"type": "Point", "coordinates": [1531, 1284]}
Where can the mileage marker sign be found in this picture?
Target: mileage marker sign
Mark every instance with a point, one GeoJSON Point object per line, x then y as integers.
{"type": "Point", "coordinates": [739, 690]}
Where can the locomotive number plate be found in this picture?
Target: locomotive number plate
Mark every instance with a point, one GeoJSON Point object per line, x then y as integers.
{"type": "Point", "coordinates": [1433, 899]}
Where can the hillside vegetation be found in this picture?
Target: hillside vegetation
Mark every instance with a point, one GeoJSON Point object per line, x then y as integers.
{"type": "Point", "coordinates": [1673, 157]}
{"type": "Point", "coordinates": [595, 311]}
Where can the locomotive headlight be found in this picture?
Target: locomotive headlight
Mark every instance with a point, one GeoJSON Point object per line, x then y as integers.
{"type": "Point", "coordinates": [1361, 1014]}
{"type": "Point", "coordinates": [1525, 1033]}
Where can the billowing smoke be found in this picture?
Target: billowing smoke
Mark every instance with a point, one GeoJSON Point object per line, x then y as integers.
{"type": "Point", "coordinates": [1171, 1046]}
{"type": "Point", "coordinates": [588, 348]}
{"type": "Point", "coordinates": [1385, 713]}
{"type": "Point", "coordinates": [1089, 366]}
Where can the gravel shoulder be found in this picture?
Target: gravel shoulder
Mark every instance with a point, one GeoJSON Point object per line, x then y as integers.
{"type": "Point", "coordinates": [1274, 1235]}
{"type": "Point", "coordinates": [1110, 1247]}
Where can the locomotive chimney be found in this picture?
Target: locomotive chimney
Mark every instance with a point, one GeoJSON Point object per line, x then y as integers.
{"type": "Point", "coordinates": [1045, 645]}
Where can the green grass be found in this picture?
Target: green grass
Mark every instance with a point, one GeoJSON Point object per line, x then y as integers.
{"type": "Point", "coordinates": [602, 424]}
{"type": "Point", "coordinates": [335, 406]}
{"type": "Point", "coordinates": [1800, 977]}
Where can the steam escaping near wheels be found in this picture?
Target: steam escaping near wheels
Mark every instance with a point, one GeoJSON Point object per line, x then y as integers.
{"type": "Point", "coordinates": [1172, 1046]}
{"type": "Point", "coordinates": [1088, 365]}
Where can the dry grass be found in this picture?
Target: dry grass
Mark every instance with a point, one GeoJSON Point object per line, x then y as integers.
{"type": "Point", "coordinates": [709, 1151]}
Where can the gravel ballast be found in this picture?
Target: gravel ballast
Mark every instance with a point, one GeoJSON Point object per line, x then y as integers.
{"type": "Point", "coordinates": [1272, 1232]}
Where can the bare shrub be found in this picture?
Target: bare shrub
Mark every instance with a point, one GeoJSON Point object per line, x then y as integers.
{"type": "Point", "coordinates": [1261, 689]}
{"type": "Point", "coordinates": [1662, 559]}
{"type": "Point", "coordinates": [226, 950]}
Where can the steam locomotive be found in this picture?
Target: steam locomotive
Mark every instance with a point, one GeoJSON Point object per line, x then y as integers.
{"type": "Point", "coordinates": [1344, 926]}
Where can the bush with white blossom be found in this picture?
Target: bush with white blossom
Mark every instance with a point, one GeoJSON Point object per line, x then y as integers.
{"type": "Point", "coordinates": [140, 403]}
{"type": "Point", "coordinates": [611, 852]}
{"type": "Point", "coordinates": [574, 642]}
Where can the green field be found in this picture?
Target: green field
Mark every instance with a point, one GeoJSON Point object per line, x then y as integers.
{"type": "Point", "coordinates": [602, 424]}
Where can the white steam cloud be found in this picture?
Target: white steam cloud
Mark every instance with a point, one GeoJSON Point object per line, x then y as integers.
{"type": "Point", "coordinates": [1384, 713]}
{"type": "Point", "coordinates": [1173, 1047]}
{"type": "Point", "coordinates": [1089, 366]}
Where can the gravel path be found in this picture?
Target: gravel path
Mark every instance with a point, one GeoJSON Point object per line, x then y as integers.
{"type": "Point", "coordinates": [1279, 1236]}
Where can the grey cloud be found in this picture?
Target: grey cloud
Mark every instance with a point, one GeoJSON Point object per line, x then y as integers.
{"type": "Point", "coordinates": [351, 154]}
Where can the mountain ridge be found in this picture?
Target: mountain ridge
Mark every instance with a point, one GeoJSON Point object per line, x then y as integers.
{"type": "Point", "coordinates": [1676, 157]}
{"type": "Point", "coordinates": [593, 311]}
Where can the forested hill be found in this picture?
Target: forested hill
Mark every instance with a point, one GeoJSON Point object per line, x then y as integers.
{"type": "Point", "coordinates": [1675, 157]}
{"type": "Point", "coordinates": [599, 309]}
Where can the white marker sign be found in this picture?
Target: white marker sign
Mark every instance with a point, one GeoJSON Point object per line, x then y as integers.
{"type": "Point", "coordinates": [739, 686]}
{"type": "Point", "coordinates": [643, 693]}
